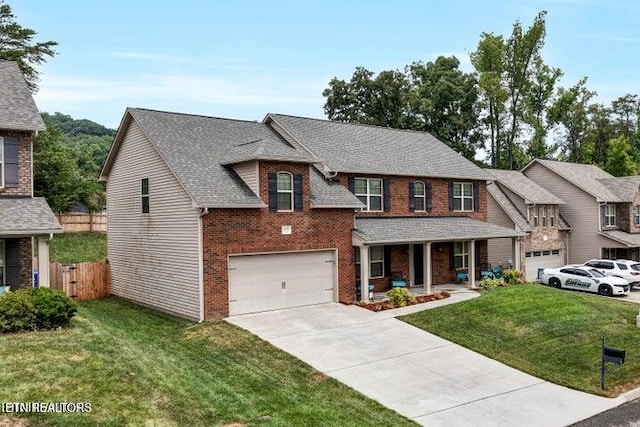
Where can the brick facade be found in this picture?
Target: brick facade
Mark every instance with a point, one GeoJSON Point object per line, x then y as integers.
{"type": "Point", "coordinates": [25, 263]}
{"type": "Point", "coordinates": [238, 231]}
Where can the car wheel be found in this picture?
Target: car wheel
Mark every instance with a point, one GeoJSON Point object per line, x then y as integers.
{"type": "Point", "coordinates": [605, 290]}
{"type": "Point", "coordinates": [555, 282]}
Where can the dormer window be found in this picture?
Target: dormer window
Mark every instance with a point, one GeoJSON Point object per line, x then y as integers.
{"type": "Point", "coordinates": [609, 216]}
{"type": "Point", "coordinates": [285, 191]}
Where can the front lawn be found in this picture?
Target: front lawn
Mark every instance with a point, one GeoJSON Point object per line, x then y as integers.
{"type": "Point", "coordinates": [136, 366]}
{"type": "Point", "coordinates": [549, 333]}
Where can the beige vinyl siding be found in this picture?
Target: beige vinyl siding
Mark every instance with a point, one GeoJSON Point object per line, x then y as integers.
{"type": "Point", "coordinates": [500, 250]}
{"type": "Point", "coordinates": [154, 257]}
{"type": "Point", "coordinates": [517, 201]}
{"type": "Point", "coordinates": [581, 212]}
{"type": "Point", "coordinates": [248, 172]}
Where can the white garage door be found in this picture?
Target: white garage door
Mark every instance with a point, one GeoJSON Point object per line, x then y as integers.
{"type": "Point", "coordinates": [283, 280]}
{"type": "Point", "coordinates": [542, 259]}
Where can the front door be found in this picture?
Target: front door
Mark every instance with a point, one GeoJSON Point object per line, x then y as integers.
{"type": "Point", "coordinates": [418, 264]}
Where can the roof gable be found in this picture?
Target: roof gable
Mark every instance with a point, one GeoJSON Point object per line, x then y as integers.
{"type": "Point", "coordinates": [357, 148]}
{"type": "Point", "coordinates": [625, 187]}
{"type": "Point", "coordinates": [18, 110]}
{"type": "Point", "coordinates": [529, 191]}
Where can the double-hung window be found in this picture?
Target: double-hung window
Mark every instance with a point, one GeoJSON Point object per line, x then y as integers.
{"type": "Point", "coordinates": [543, 210]}
{"type": "Point", "coordinates": [285, 191]}
{"type": "Point", "coordinates": [552, 216]}
{"type": "Point", "coordinates": [1, 163]}
{"type": "Point", "coordinates": [419, 195]}
{"type": "Point", "coordinates": [461, 254]}
{"type": "Point", "coordinates": [2, 263]}
{"type": "Point", "coordinates": [533, 212]}
{"type": "Point", "coordinates": [636, 215]}
{"type": "Point", "coordinates": [376, 262]}
{"type": "Point", "coordinates": [144, 194]}
{"type": "Point", "coordinates": [609, 215]}
{"type": "Point", "coordinates": [369, 192]}
{"type": "Point", "coordinates": [462, 196]}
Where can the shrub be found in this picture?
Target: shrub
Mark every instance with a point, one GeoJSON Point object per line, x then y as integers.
{"type": "Point", "coordinates": [512, 277]}
{"type": "Point", "coordinates": [31, 309]}
{"type": "Point", "coordinates": [491, 283]}
{"type": "Point", "coordinates": [400, 297]}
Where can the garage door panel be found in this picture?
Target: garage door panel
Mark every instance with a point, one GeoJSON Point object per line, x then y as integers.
{"type": "Point", "coordinates": [534, 262]}
{"type": "Point", "coordinates": [275, 281]}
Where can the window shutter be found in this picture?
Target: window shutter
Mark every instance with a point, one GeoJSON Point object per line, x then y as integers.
{"type": "Point", "coordinates": [273, 192]}
{"type": "Point", "coordinates": [477, 253]}
{"type": "Point", "coordinates": [387, 261]}
{"type": "Point", "coordinates": [297, 192]}
{"type": "Point", "coordinates": [12, 263]}
{"type": "Point", "coordinates": [451, 196]}
{"type": "Point", "coordinates": [452, 263]}
{"type": "Point", "coordinates": [11, 162]}
{"type": "Point", "coordinates": [386, 190]}
{"type": "Point", "coordinates": [428, 203]}
{"type": "Point", "coordinates": [351, 184]}
{"type": "Point", "coordinates": [476, 197]}
{"type": "Point", "coordinates": [602, 208]}
{"type": "Point", "coordinates": [412, 197]}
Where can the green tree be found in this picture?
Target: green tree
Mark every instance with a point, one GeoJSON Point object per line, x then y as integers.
{"type": "Point", "coordinates": [599, 131]}
{"type": "Point", "coordinates": [619, 161]}
{"type": "Point", "coordinates": [17, 44]}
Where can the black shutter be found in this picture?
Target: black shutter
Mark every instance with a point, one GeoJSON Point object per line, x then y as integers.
{"type": "Point", "coordinates": [387, 261]}
{"type": "Point", "coordinates": [12, 259]}
{"type": "Point", "coordinates": [476, 197]}
{"type": "Point", "coordinates": [297, 192]}
{"type": "Point", "coordinates": [477, 253]}
{"type": "Point", "coordinates": [273, 192]}
{"type": "Point", "coordinates": [452, 262]}
{"type": "Point", "coordinates": [451, 196]}
{"type": "Point", "coordinates": [351, 185]}
{"type": "Point", "coordinates": [428, 200]}
{"type": "Point", "coordinates": [11, 162]}
{"type": "Point", "coordinates": [412, 197]}
{"type": "Point", "coordinates": [386, 191]}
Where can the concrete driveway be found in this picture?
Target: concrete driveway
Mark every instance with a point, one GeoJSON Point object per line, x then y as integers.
{"type": "Point", "coordinates": [424, 377]}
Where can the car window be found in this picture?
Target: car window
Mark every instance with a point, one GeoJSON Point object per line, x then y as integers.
{"type": "Point", "coordinates": [592, 264]}
{"type": "Point", "coordinates": [582, 273]}
{"type": "Point", "coordinates": [622, 266]}
{"type": "Point", "coordinates": [606, 264]}
{"type": "Point", "coordinates": [636, 266]}
{"type": "Point", "coordinates": [596, 273]}
{"type": "Point", "coordinates": [567, 271]}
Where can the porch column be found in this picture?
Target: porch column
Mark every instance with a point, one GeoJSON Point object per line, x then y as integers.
{"type": "Point", "coordinates": [516, 253]}
{"type": "Point", "coordinates": [43, 262]}
{"type": "Point", "coordinates": [472, 263]}
{"type": "Point", "coordinates": [364, 273]}
{"type": "Point", "coordinates": [426, 264]}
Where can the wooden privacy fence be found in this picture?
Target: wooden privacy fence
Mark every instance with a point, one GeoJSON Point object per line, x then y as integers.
{"type": "Point", "coordinates": [80, 222]}
{"type": "Point", "coordinates": [83, 281]}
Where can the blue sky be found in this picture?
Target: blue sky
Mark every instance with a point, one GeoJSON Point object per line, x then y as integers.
{"type": "Point", "coordinates": [242, 59]}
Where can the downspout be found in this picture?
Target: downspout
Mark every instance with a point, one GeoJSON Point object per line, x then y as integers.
{"type": "Point", "coordinates": [203, 212]}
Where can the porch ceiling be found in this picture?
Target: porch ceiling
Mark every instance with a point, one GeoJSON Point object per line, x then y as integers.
{"type": "Point", "coordinates": [632, 240]}
{"type": "Point", "coordinates": [26, 217]}
{"type": "Point", "coordinates": [381, 230]}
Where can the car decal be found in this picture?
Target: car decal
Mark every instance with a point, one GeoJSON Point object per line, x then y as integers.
{"type": "Point", "coordinates": [576, 283]}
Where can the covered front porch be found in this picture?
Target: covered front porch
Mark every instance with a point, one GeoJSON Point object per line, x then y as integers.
{"type": "Point", "coordinates": [420, 252]}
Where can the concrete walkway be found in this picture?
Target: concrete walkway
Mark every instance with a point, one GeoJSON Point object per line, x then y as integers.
{"type": "Point", "coordinates": [424, 377]}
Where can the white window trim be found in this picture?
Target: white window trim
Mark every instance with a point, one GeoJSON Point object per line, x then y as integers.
{"type": "Point", "coordinates": [552, 216]}
{"type": "Point", "coordinates": [463, 196]}
{"type": "Point", "coordinates": [290, 192]}
{"type": "Point", "coordinates": [2, 166]}
{"type": "Point", "coordinates": [368, 195]}
{"type": "Point", "coordinates": [463, 254]}
{"type": "Point", "coordinates": [636, 215]}
{"type": "Point", "coordinates": [376, 261]}
{"type": "Point", "coordinates": [534, 216]}
{"type": "Point", "coordinates": [3, 263]}
{"type": "Point", "coordinates": [144, 196]}
{"type": "Point", "coordinates": [609, 218]}
{"type": "Point", "coordinates": [544, 216]}
{"type": "Point", "coordinates": [422, 196]}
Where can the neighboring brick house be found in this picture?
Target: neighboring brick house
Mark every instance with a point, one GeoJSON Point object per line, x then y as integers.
{"type": "Point", "coordinates": [26, 222]}
{"type": "Point", "coordinates": [517, 202]}
{"type": "Point", "coordinates": [210, 217]}
{"type": "Point", "coordinates": [603, 211]}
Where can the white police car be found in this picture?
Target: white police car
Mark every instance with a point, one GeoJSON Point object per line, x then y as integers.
{"type": "Point", "coordinates": [583, 278]}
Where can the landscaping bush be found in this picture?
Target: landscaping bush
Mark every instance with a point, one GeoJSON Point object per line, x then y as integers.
{"type": "Point", "coordinates": [491, 283]}
{"type": "Point", "coordinates": [512, 277]}
{"type": "Point", "coordinates": [31, 309]}
{"type": "Point", "coordinates": [400, 297]}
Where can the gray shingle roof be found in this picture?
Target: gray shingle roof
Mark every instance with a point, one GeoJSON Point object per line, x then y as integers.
{"type": "Point", "coordinates": [18, 110]}
{"type": "Point", "coordinates": [383, 230]}
{"type": "Point", "coordinates": [508, 207]}
{"type": "Point", "coordinates": [625, 187]}
{"type": "Point", "coordinates": [586, 177]}
{"type": "Point", "coordinates": [198, 149]}
{"type": "Point", "coordinates": [629, 239]}
{"type": "Point", "coordinates": [356, 148]}
{"type": "Point", "coordinates": [524, 187]}
{"type": "Point", "coordinates": [27, 216]}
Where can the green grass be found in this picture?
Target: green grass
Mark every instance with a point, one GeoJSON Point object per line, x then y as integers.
{"type": "Point", "coordinates": [140, 367]}
{"type": "Point", "coordinates": [70, 248]}
{"type": "Point", "coordinates": [550, 333]}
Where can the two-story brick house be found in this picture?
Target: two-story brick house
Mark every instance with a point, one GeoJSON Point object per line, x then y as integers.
{"type": "Point", "coordinates": [516, 201]}
{"type": "Point", "coordinates": [604, 211]}
{"type": "Point", "coordinates": [210, 217]}
{"type": "Point", "coordinates": [26, 222]}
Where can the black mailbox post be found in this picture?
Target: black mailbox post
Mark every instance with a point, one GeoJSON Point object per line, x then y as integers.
{"type": "Point", "coordinates": [610, 354]}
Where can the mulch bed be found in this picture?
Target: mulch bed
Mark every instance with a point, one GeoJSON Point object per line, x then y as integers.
{"type": "Point", "coordinates": [386, 305]}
